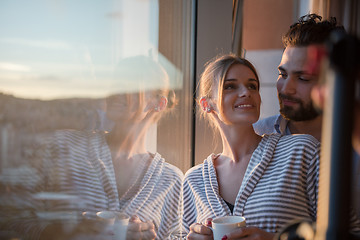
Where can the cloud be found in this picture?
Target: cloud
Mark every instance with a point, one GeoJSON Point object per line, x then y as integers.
{"type": "Point", "coordinates": [14, 67]}
{"type": "Point", "coordinates": [114, 15]}
{"type": "Point", "coordinates": [49, 44]}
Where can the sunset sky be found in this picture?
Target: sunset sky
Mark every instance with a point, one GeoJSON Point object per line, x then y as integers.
{"type": "Point", "coordinates": [64, 48]}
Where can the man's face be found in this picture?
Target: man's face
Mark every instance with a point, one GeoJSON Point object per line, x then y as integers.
{"type": "Point", "coordinates": [294, 85]}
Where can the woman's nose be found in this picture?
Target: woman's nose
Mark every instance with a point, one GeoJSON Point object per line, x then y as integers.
{"type": "Point", "coordinates": [243, 91]}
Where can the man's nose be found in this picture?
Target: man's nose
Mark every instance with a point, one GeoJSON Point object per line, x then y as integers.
{"type": "Point", "coordinates": [288, 86]}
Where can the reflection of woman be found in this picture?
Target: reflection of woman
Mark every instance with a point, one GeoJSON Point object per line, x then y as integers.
{"type": "Point", "coordinates": [112, 170]}
{"type": "Point", "coordinates": [268, 179]}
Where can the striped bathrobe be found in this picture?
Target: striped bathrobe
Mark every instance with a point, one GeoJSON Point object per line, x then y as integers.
{"type": "Point", "coordinates": [80, 164]}
{"type": "Point", "coordinates": [280, 184]}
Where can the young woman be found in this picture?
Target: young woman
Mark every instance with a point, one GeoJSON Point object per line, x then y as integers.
{"type": "Point", "coordinates": [270, 179]}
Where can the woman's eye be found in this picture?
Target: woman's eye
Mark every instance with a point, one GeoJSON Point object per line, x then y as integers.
{"type": "Point", "coordinates": [253, 86]}
{"type": "Point", "coordinates": [229, 87]}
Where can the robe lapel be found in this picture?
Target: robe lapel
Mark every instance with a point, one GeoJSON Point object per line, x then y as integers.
{"type": "Point", "coordinates": [140, 197]}
{"type": "Point", "coordinates": [256, 168]}
{"type": "Point", "coordinates": [217, 205]}
{"type": "Point", "coordinates": [101, 159]}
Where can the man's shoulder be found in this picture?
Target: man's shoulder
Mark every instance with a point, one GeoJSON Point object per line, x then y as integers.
{"type": "Point", "coordinates": [267, 125]}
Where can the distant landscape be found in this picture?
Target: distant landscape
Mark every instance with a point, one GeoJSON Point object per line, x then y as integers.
{"type": "Point", "coordinates": [25, 122]}
{"type": "Point", "coordinates": [38, 115]}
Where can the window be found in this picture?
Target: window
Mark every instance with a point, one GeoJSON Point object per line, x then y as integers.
{"type": "Point", "coordinates": [72, 70]}
{"type": "Point", "coordinates": [99, 81]}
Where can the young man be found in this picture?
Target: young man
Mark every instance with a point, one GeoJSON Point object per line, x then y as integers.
{"type": "Point", "coordinates": [296, 79]}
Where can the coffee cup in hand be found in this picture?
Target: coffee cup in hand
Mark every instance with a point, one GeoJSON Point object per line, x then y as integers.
{"type": "Point", "coordinates": [224, 225]}
{"type": "Point", "coordinates": [116, 222]}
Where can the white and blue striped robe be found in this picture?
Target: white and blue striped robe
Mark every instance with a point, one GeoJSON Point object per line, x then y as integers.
{"type": "Point", "coordinates": [280, 184]}
{"type": "Point", "coordinates": [80, 164]}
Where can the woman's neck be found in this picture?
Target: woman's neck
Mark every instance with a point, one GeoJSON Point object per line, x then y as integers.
{"type": "Point", "coordinates": [239, 141]}
{"type": "Point", "coordinates": [126, 141]}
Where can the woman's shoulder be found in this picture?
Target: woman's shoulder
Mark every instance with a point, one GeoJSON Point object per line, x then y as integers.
{"type": "Point", "coordinates": [302, 139]}
{"type": "Point", "coordinates": [70, 134]}
{"type": "Point", "coordinates": [195, 170]}
{"type": "Point", "coordinates": [173, 170]}
{"type": "Point", "coordinates": [297, 149]}
{"type": "Point", "coordinates": [168, 169]}
{"type": "Point", "coordinates": [297, 146]}
{"type": "Point", "coordinates": [292, 139]}
{"type": "Point", "coordinates": [198, 170]}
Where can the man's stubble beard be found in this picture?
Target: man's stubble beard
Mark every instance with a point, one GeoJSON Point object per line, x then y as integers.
{"type": "Point", "coordinates": [305, 112]}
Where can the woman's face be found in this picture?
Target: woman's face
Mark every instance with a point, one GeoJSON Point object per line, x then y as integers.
{"type": "Point", "coordinates": [241, 97]}
{"type": "Point", "coordinates": [126, 107]}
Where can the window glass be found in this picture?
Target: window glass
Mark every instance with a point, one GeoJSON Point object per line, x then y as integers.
{"type": "Point", "coordinates": [95, 96]}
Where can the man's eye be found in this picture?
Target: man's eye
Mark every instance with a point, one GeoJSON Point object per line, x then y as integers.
{"type": "Point", "coordinates": [283, 75]}
{"type": "Point", "coordinates": [304, 79]}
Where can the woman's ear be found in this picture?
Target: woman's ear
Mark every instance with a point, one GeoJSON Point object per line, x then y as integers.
{"type": "Point", "coordinates": [205, 105]}
{"type": "Point", "coordinates": [161, 104]}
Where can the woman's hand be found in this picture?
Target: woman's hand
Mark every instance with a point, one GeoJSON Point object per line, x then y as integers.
{"type": "Point", "coordinates": [200, 231]}
{"type": "Point", "coordinates": [138, 230]}
{"type": "Point", "coordinates": [249, 233]}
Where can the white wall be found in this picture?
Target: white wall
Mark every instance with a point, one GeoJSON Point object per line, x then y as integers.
{"type": "Point", "coordinates": [266, 63]}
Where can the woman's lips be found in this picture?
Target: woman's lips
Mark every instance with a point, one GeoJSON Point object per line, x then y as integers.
{"type": "Point", "coordinates": [244, 106]}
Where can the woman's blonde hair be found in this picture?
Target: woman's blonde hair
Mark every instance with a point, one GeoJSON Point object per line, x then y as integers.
{"type": "Point", "coordinates": [213, 78]}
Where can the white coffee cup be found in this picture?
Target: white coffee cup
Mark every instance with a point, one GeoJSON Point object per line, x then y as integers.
{"type": "Point", "coordinates": [224, 225]}
{"type": "Point", "coordinates": [117, 222]}
{"type": "Point", "coordinates": [106, 216]}
{"type": "Point", "coordinates": [120, 226]}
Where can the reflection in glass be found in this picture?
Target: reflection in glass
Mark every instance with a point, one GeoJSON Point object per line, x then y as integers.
{"type": "Point", "coordinates": [82, 90]}
{"type": "Point", "coordinates": [109, 167]}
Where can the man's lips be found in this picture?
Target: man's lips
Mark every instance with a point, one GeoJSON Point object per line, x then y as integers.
{"type": "Point", "coordinates": [289, 102]}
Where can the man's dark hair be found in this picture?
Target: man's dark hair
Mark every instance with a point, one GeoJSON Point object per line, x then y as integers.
{"type": "Point", "coordinates": [309, 29]}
